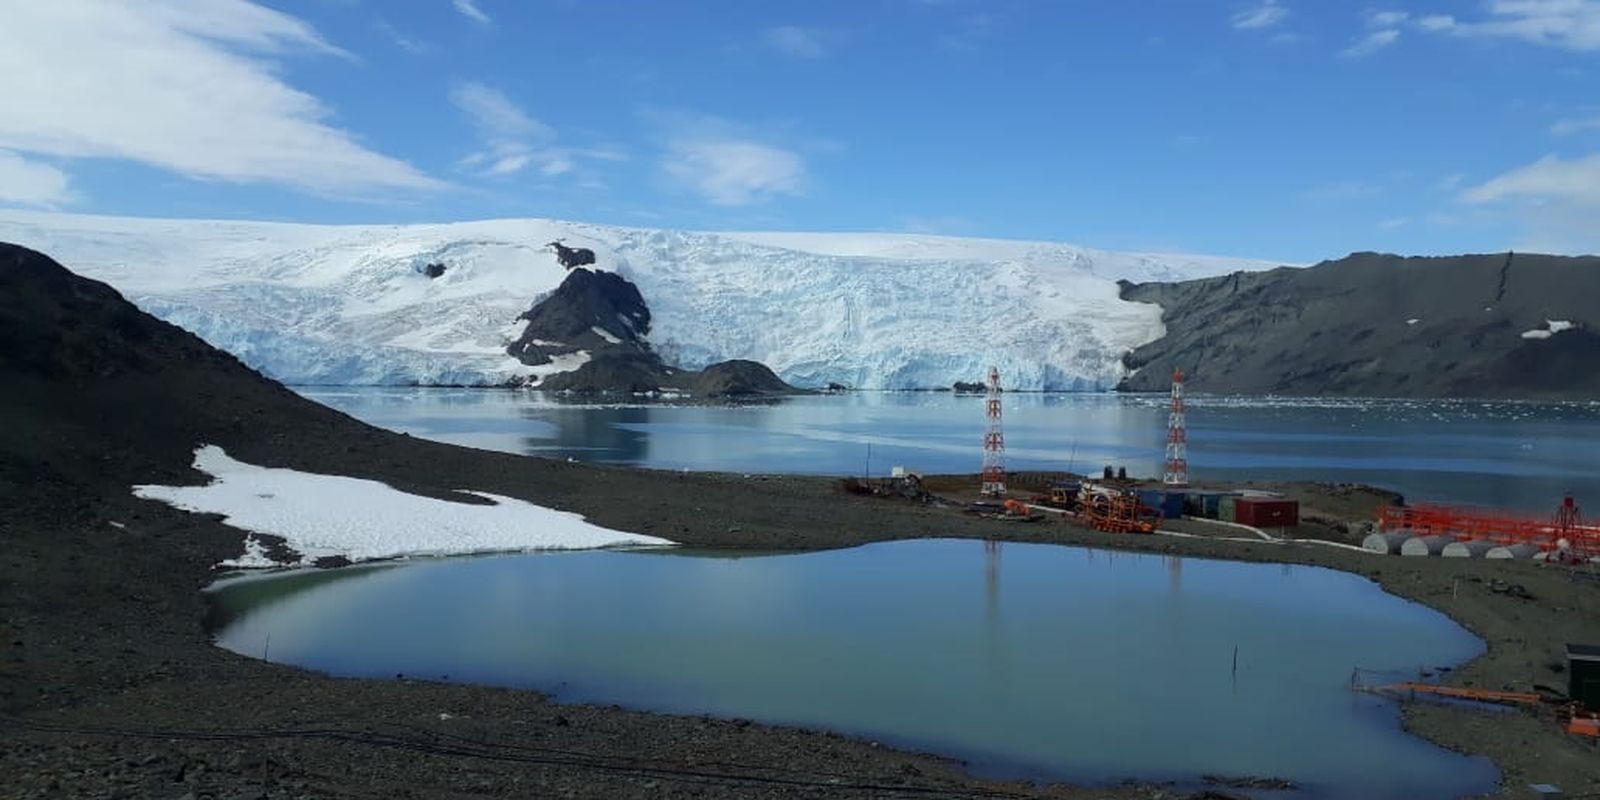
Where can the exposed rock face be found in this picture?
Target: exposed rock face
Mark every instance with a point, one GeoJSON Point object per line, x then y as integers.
{"type": "Point", "coordinates": [626, 373]}
{"type": "Point", "coordinates": [1487, 326]}
{"type": "Point", "coordinates": [737, 378]}
{"type": "Point", "coordinates": [603, 315]}
{"type": "Point", "coordinates": [590, 311]}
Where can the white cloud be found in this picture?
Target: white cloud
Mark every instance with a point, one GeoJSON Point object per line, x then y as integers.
{"type": "Point", "coordinates": [1267, 14]}
{"type": "Point", "coordinates": [1437, 22]}
{"type": "Point", "coordinates": [1567, 127]}
{"type": "Point", "coordinates": [181, 86]}
{"type": "Point", "coordinates": [1371, 43]}
{"type": "Point", "coordinates": [512, 140]}
{"type": "Point", "coordinates": [1393, 224]}
{"type": "Point", "coordinates": [496, 115]}
{"type": "Point", "coordinates": [470, 9]}
{"type": "Point", "coordinates": [734, 172]}
{"type": "Point", "coordinates": [31, 183]}
{"type": "Point", "coordinates": [404, 41]}
{"type": "Point", "coordinates": [1549, 179]}
{"type": "Point", "coordinates": [795, 41]}
{"type": "Point", "coordinates": [1567, 24]}
{"type": "Point", "coordinates": [1560, 202]}
{"type": "Point", "coordinates": [724, 162]}
{"type": "Point", "coordinates": [1387, 19]}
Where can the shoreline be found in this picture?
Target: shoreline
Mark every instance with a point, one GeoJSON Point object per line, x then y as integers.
{"type": "Point", "coordinates": [108, 677]}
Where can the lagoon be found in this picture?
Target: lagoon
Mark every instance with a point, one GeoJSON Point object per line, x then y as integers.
{"type": "Point", "coordinates": [1029, 660]}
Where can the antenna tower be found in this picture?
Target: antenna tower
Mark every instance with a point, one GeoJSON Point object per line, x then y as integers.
{"type": "Point", "coordinates": [1177, 471]}
{"type": "Point", "coordinates": [994, 442]}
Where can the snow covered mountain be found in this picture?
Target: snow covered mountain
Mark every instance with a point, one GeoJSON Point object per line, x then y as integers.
{"type": "Point", "coordinates": [319, 304]}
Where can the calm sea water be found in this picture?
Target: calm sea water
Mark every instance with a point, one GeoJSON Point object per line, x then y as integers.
{"type": "Point", "coordinates": [1520, 455]}
{"type": "Point", "coordinates": [1028, 660]}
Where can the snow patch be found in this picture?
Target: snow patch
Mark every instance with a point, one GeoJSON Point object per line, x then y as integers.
{"type": "Point", "coordinates": [1552, 327]}
{"type": "Point", "coordinates": [255, 556]}
{"type": "Point", "coordinates": [334, 515]}
{"type": "Point", "coordinates": [605, 334]}
{"type": "Point", "coordinates": [564, 362]}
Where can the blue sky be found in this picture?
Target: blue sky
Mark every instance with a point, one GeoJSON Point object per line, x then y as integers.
{"type": "Point", "coordinates": [1288, 129]}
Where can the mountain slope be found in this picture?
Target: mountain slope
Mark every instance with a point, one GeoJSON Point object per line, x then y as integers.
{"type": "Point", "coordinates": [355, 305]}
{"type": "Point", "coordinates": [1498, 325]}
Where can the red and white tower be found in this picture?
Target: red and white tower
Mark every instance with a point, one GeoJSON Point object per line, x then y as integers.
{"type": "Point", "coordinates": [994, 442]}
{"type": "Point", "coordinates": [1177, 471]}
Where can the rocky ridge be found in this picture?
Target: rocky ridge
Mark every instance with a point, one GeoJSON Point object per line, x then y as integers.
{"type": "Point", "coordinates": [1501, 326]}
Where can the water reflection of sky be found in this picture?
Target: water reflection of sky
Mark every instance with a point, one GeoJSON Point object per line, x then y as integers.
{"type": "Point", "coordinates": [1027, 659]}
{"type": "Point", "coordinates": [1520, 454]}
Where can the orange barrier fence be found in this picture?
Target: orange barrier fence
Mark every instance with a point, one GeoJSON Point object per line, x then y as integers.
{"type": "Point", "coordinates": [1496, 526]}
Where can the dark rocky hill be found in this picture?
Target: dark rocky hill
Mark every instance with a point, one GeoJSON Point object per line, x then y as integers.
{"type": "Point", "coordinates": [593, 311]}
{"type": "Point", "coordinates": [603, 315]}
{"type": "Point", "coordinates": [126, 396]}
{"type": "Point", "coordinates": [1383, 325]}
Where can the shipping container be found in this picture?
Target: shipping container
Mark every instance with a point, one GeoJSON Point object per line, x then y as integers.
{"type": "Point", "coordinates": [1170, 504]}
{"type": "Point", "coordinates": [1262, 513]}
{"type": "Point", "coordinates": [1226, 507]}
{"type": "Point", "coordinates": [1206, 504]}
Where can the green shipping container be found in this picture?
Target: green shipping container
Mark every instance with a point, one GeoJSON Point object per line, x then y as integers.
{"type": "Point", "coordinates": [1227, 507]}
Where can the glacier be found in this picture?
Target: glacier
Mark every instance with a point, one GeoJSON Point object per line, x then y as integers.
{"type": "Point", "coordinates": [349, 304]}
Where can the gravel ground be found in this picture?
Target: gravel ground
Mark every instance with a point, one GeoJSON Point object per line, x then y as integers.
{"type": "Point", "coordinates": [115, 689]}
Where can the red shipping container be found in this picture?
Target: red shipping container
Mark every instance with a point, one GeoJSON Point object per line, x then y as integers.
{"type": "Point", "coordinates": [1267, 513]}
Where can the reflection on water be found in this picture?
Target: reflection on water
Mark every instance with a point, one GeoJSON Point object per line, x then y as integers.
{"type": "Point", "coordinates": [1507, 454]}
{"type": "Point", "coordinates": [1029, 660]}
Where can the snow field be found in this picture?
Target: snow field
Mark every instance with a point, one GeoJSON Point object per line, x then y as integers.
{"type": "Point", "coordinates": [333, 515]}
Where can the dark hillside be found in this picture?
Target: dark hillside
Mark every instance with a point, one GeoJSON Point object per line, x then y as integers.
{"type": "Point", "coordinates": [1382, 325]}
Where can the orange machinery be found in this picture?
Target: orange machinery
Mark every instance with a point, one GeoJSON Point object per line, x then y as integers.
{"type": "Point", "coordinates": [1118, 512]}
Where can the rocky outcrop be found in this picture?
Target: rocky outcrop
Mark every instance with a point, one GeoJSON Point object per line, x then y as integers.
{"type": "Point", "coordinates": [602, 317]}
{"type": "Point", "coordinates": [623, 373]}
{"type": "Point", "coordinates": [1483, 326]}
{"type": "Point", "coordinates": [593, 312]}
{"type": "Point", "coordinates": [737, 378]}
